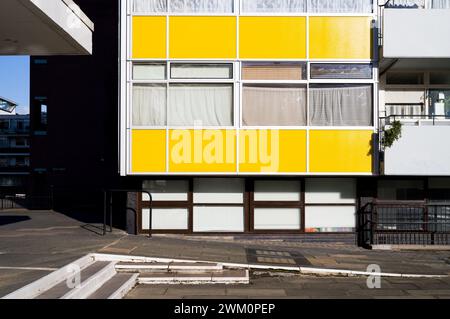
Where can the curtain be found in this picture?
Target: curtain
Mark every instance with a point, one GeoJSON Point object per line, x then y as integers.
{"type": "Point", "coordinates": [439, 4]}
{"type": "Point", "coordinates": [339, 6]}
{"type": "Point", "coordinates": [149, 105]}
{"type": "Point", "coordinates": [183, 6]}
{"type": "Point", "coordinates": [274, 5]}
{"type": "Point", "coordinates": [269, 71]}
{"type": "Point", "coordinates": [149, 5]}
{"type": "Point", "coordinates": [343, 105]}
{"type": "Point", "coordinates": [200, 104]}
{"type": "Point", "coordinates": [201, 71]}
{"type": "Point", "coordinates": [406, 4]}
{"type": "Point", "coordinates": [274, 106]}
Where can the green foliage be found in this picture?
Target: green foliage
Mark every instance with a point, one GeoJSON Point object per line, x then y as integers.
{"type": "Point", "coordinates": [392, 134]}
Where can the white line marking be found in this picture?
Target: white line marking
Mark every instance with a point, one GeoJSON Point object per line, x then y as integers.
{"type": "Point", "coordinates": [30, 268]}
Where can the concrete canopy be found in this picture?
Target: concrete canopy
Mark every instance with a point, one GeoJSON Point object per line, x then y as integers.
{"type": "Point", "coordinates": [44, 27]}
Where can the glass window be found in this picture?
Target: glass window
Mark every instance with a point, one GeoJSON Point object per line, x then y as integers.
{"type": "Point", "coordinates": [218, 219]}
{"type": "Point", "coordinates": [277, 219]}
{"type": "Point", "coordinates": [166, 219]}
{"type": "Point", "coordinates": [277, 191]}
{"type": "Point", "coordinates": [330, 191]}
{"type": "Point", "coordinates": [340, 105]}
{"type": "Point", "coordinates": [200, 105]}
{"type": "Point", "coordinates": [149, 71]}
{"type": "Point", "coordinates": [142, 6]}
{"type": "Point", "coordinates": [340, 6]}
{"type": "Point", "coordinates": [405, 78]}
{"type": "Point", "coordinates": [149, 104]}
{"type": "Point", "coordinates": [273, 71]}
{"type": "Point", "coordinates": [437, 78]}
{"type": "Point", "coordinates": [218, 191]}
{"type": "Point", "coordinates": [400, 190]}
{"type": "Point", "coordinates": [341, 71]}
{"type": "Point", "coordinates": [201, 71]}
{"type": "Point", "coordinates": [166, 190]}
{"type": "Point", "coordinates": [206, 6]}
{"type": "Point", "coordinates": [274, 105]}
{"type": "Point", "coordinates": [323, 219]}
{"type": "Point", "coordinates": [439, 102]}
{"type": "Point", "coordinates": [273, 6]}
{"type": "Point", "coordinates": [406, 4]}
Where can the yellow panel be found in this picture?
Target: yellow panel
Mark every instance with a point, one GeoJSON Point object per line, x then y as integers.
{"type": "Point", "coordinates": [272, 37]}
{"type": "Point", "coordinates": [149, 37]}
{"type": "Point", "coordinates": [202, 37]}
{"type": "Point", "coordinates": [148, 154]}
{"type": "Point", "coordinates": [340, 151]}
{"type": "Point", "coordinates": [340, 38]}
{"type": "Point", "coordinates": [202, 151]}
{"type": "Point", "coordinates": [272, 151]}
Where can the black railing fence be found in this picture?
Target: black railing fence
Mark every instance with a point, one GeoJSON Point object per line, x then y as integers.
{"type": "Point", "coordinates": [404, 223]}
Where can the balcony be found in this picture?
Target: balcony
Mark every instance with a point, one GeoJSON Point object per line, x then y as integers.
{"type": "Point", "coordinates": [44, 27]}
{"type": "Point", "coordinates": [416, 29]}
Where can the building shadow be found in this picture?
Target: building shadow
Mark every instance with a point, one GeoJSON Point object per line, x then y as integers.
{"type": "Point", "coordinates": [6, 220]}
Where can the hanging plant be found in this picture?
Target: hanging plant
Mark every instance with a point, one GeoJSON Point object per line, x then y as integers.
{"type": "Point", "coordinates": [392, 134]}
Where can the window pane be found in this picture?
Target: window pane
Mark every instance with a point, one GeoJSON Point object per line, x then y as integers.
{"type": "Point", "coordinates": [340, 6]}
{"type": "Point", "coordinates": [166, 190]}
{"type": "Point", "coordinates": [218, 191]}
{"type": "Point", "coordinates": [277, 191]}
{"type": "Point", "coordinates": [321, 219]}
{"type": "Point", "coordinates": [274, 105]}
{"type": "Point", "coordinates": [406, 4]}
{"type": "Point", "coordinates": [341, 71]}
{"type": "Point", "coordinates": [166, 219]}
{"type": "Point", "coordinates": [440, 77]}
{"type": "Point", "coordinates": [149, 72]}
{"type": "Point", "coordinates": [440, 102]}
{"type": "Point", "coordinates": [274, 6]}
{"type": "Point", "coordinates": [187, 6]}
{"type": "Point", "coordinates": [274, 71]}
{"type": "Point", "coordinates": [201, 71]}
{"type": "Point", "coordinates": [340, 105]}
{"type": "Point", "coordinates": [149, 6]}
{"type": "Point", "coordinates": [330, 191]}
{"type": "Point", "coordinates": [404, 78]}
{"type": "Point", "coordinates": [277, 219]}
{"type": "Point", "coordinates": [201, 104]}
{"type": "Point", "coordinates": [401, 190]}
{"type": "Point", "coordinates": [218, 219]}
{"type": "Point", "coordinates": [149, 105]}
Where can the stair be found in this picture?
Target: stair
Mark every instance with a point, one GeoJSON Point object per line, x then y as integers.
{"type": "Point", "coordinates": [116, 288]}
{"type": "Point", "coordinates": [195, 278]}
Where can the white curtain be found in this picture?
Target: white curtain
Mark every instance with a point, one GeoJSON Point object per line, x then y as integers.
{"type": "Point", "coordinates": [274, 106]}
{"type": "Point", "coordinates": [274, 5]}
{"type": "Point", "coordinates": [339, 6]}
{"type": "Point", "coordinates": [439, 4]}
{"type": "Point", "coordinates": [406, 4]}
{"type": "Point", "coordinates": [149, 5]}
{"type": "Point", "coordinates": [341, 105]}
{"type": "Point", "coordinates": [200, 104]}
{"type": "Point", "coordinates": [149, 105]}
{"type": "Point", "coordinates": [183, 6]}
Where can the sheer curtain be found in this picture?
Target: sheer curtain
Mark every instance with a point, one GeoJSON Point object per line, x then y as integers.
{"type": "Point", "coordinates": [150, 5]}
{"type": "Point", "coordinates": [222, 6]}
{"type": "Point", "coordinates": [273, 106]}
{"type": "Point", "coordinates": [200, 104]}
{"type": "Point", "coordinates": [274, 5]}
{"type": "Point", "coordinates": [351, 6]}
{"type": "Point", "coordinates": [406, 4]}
{"type": "Point", "coordinates": [149, 105]}
{"type": "Point", "coordinates": [439, 4]}
{"type": "Point", "coordinates": [340, 105]}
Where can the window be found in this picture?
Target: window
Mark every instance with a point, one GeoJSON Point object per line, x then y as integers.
{"type": "Point", "coordinates": [439, 102]}
{"type": "Point", "coordinates": [166, 190]}
{"type": "Point", "coordinates": [141, 6]}
{"type": "Point", "coordinates": [277, 219]}
{"type": "Point", "coordinates": [405, 78]}
{"type": "Point", "coordinates": [200, 104]}
{"type": "Point", "coordinates": [440, 78]}
{"type": "Point", "coordinates": [149, 71]}
{"type": "Point", "coordinates": [201, 71]}
{"type": "Point", "coordinates": [274, 6]}
{"type": "Point", "coordinates": [41, 115]}
{"type": "Point", "coordinates": [202, 6]}
{"type": "Point", "coordinates": [218, 191]}
{"type": "Point", "coordinates": [401, 190]}
{"type": "Point", "coordinates": [273, 71]}
{"type": "Point", "coordinates": [340, 105]}
{"type": "Point", "coordinates": [149, 104]}
{"type": "Point", "coordinates": [4, 124]}
{"type": "Point", "coordinates": [277, 191]}
{"type": "Point", "coordinates": [341, 71]}
{"type": "Point", "coordinates": [166, 219]}
{"type": "Point", "coordinates": [340, 6]}
{"type": "Point", "coordinates": [330, 191]}
{"type": "Point", "coordinates": [274, 105]}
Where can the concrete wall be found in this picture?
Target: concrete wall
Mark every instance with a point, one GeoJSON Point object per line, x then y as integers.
{"type": "Point", "coordinates": [422, 150]}
{"type": "Point", "coordinates": [416, 33]}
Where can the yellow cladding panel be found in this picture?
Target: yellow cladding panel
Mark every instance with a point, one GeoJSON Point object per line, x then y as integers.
{"type": "Point", "coordinates": [202, 151]}
{"type": "Point", "coordinates": [272, 37]}
{"type": "Point", "coordinates": [149, 37]}
{"type": "Point", "coordinates": [148, 154]}
{"type": "Point", "coordinates": [340, 38]}
{"type": "Point", "coordinates": [341, 151]}
{"type": "Point", "coordinates": [272, 151]}
{"type": "Point", "coordinates": [202, 37]}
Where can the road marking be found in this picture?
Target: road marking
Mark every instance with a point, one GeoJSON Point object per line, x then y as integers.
{"type": "Point", "coordinates": [29, 268]}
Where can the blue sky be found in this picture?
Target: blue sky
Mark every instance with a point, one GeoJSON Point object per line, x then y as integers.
{"type": "Point", "coordinates": [15, 81]}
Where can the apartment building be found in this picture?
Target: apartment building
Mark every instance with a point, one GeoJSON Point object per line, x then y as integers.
{"type": "Point", "coordinates": [262, 117]}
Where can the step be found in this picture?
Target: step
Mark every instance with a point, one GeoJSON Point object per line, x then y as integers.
{"type": "Point", "coordinates": [184, 277]}
{"type": "Point", "coordinates": [173, 267]}
{"type": "Point", "coordinates": [91, 277]}
{"type": "Point", "coordinates": [117, 287]}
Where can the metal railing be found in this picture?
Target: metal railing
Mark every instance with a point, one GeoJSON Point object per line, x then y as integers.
{"type": "Point", "coordinates": [404, 223]}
